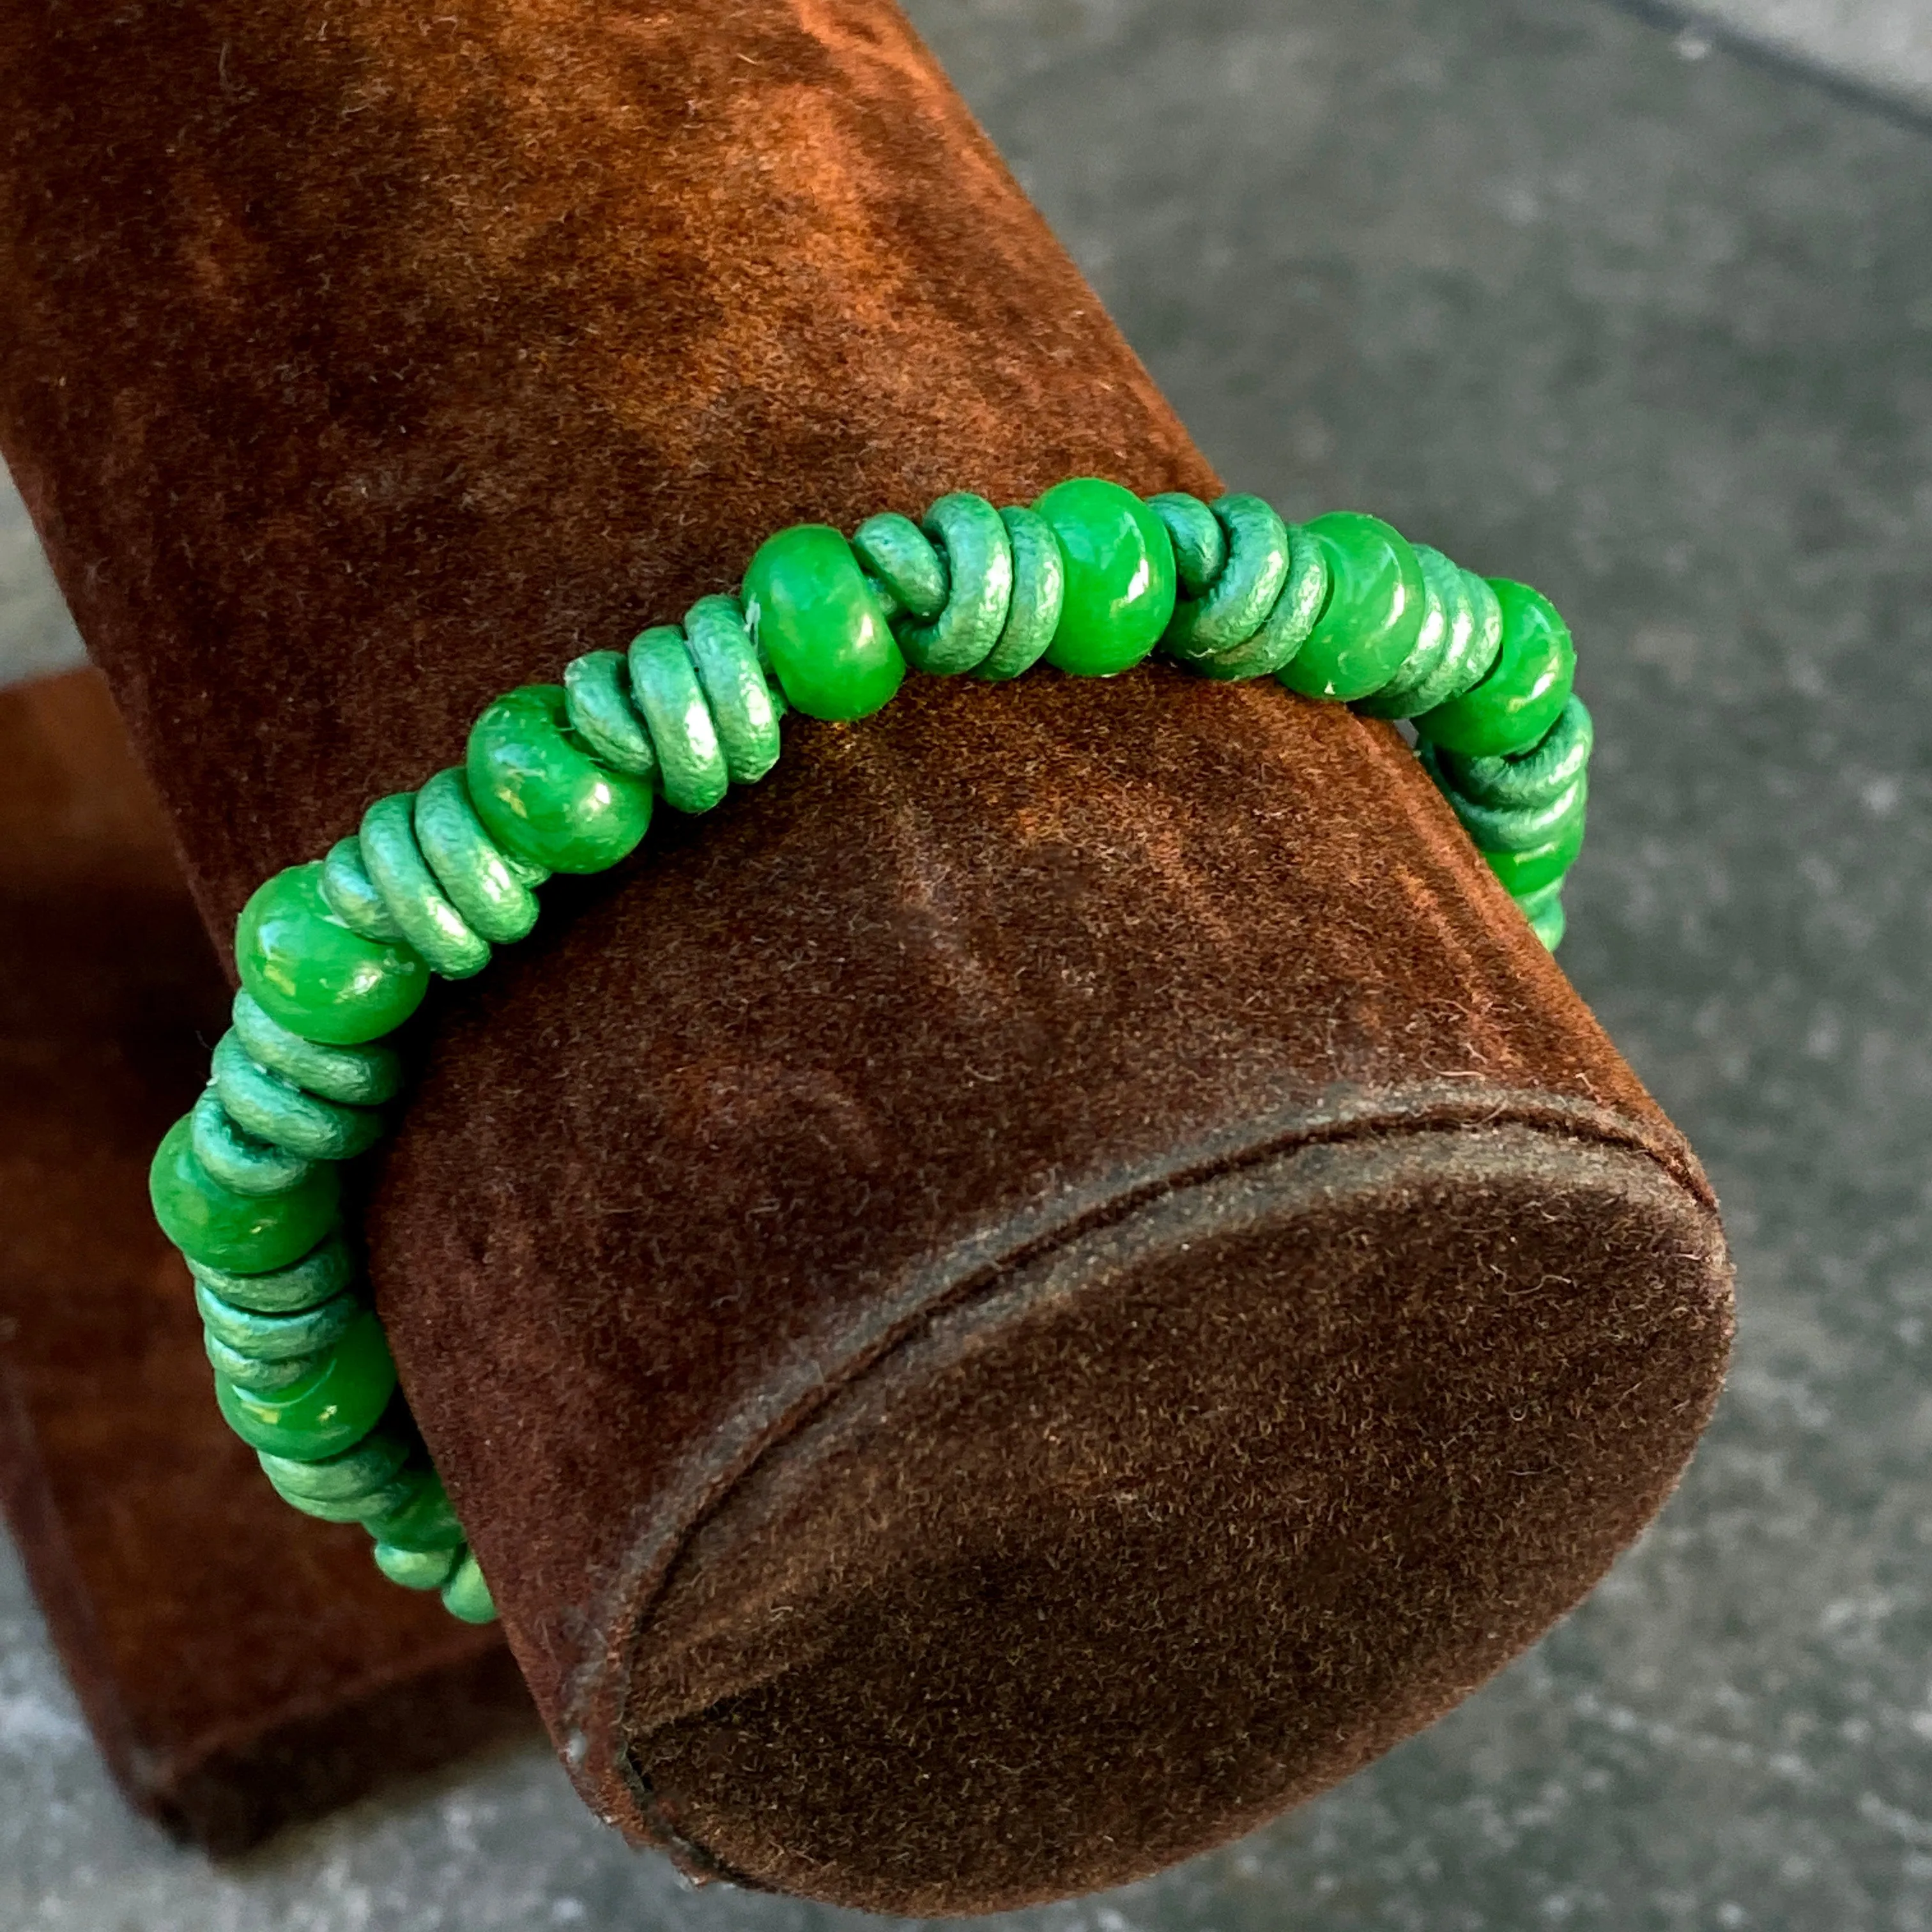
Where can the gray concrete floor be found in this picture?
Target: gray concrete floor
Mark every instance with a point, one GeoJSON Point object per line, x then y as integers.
{"type": "Point", "coordinates": [1650, 325]}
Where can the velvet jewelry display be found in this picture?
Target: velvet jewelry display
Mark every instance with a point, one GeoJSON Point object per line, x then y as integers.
{"type": "Point", "coordinates": [336, 955]}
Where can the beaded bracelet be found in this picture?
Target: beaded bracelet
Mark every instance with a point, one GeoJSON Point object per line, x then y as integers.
{"type": "Point", "coordinates": [335, 954]}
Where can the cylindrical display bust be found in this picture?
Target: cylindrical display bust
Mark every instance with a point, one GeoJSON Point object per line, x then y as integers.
{"type": "Point", "coordinates": [1032, 1289]}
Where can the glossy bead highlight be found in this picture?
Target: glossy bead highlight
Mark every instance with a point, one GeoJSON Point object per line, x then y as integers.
{"type": "Point", "coordinates": [814, 618]}
{"type": "Point", "coordinates": [304, 966]}
{"type": "Point", "coordinates": [1120, 586]}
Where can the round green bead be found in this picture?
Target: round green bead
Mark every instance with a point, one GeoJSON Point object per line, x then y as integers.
{"type": "Point", "coordinates": [304, 967]}
{"type": "Point", "coordinates": [466, 1595]}
{"type": "Point", "coordinates": [249, 1233]}
{"type": "Point", "coordinates": [330, 1412]}
{"type": "Point", "coordinates": [1526, 690]}
{"type": "Point", "coordinates": [417, 1569]}
{"type": "Point", "coordinates": [1376, 603]}
{"type": "Point", "coordinates": [814, 620]}
{"type": "Point", "coordinates": [1121, 584]}
{"type": "Point", "coordinates": [541, 794]}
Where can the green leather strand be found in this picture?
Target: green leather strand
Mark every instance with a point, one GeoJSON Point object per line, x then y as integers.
{"type": "Point", "coordinates": [326, 1270]}
{"type": "Point", "coordinates": [358, 1076]}
{"type": "Point", "coordinates": [352, 894]}
{"type": "Point", "coordinates": [266, 1105]}
{"type": "Point", "coordinates": [971, 537]}
{"type": "Point", "coordinates": [597, 693]}
{"type": "Point", "coordinates": [900, 558]}
{"type": "Point", "coordinates": [1531, 778]}
{"type": "Point", "coordinates": [744, 710]}
{"type": "Point", "coordinates": [1287, 626]}
{"type": "Point", "coordinates": [256, 1374]}
{"type": "Point", "coordinates": [492, 895]}
{"type": "Point", "coordinates": [1445, 603]}
{"type": "Point", "coordinates": [1200, 543]}
{"type": "Point", "coordinates": [1243, 594]}
{"type": "Point", "coordinates": [691, 770]}
{"type": "Point", "coordinates": [414, 895]}
{"type": "Point", "coordinates": [1039, 592]}
{"type": "Point", "coordinates": [239, 1160]}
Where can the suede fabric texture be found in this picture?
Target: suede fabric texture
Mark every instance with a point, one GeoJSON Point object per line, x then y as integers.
{"type": "Point", "coordinates": [1034, 1288]}
{"type": "Point", "coordinates": [239, 1669]}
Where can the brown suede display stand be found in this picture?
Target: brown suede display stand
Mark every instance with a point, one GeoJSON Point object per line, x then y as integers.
{"type": "Point", "coordinates": [1038, 1287]}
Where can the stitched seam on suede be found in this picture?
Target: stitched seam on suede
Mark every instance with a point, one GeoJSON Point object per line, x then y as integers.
{"type": "Point", "coordinates": [1439, 1107]}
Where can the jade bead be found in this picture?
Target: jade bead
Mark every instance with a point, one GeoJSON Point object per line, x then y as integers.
{"type": "Point", "coordinates": [1376, 603]}
{"type": "Point", "coordinates": [417, 1569]}
{"type": "Point", "coordinates": [330, 1412]}
{"type": "Point", "coordinates": [466, 1595]}
{"type": "Point", "coordinates": [306, 968]}
{"type": "Point", "coordinates": [539, 793]}
{"type": "Point", "coordinates": [248, 1234]}
{"type": "Point", "coordinates": [1526, 690]}
{"type": "Point", "coordinates": [1120, 583]}
{"type": "Point", "coordinates": [814, 620]}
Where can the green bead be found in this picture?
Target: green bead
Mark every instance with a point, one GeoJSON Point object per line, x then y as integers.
{"type": "Point", "coordinates": [422, 1519]}
{"type": "Point", "coordinates": [417, 1569]}
{"type": "Point", "coordinates": [414, 894]}
{"type": "Point", "coordinates": [1523, 872]}
{"type": "Point", "coordinates": [466, 1595]}
{"type": "Point", "coordinates": [597, 698]}
{"type": "Point", "coordinates": [1376, 603]}
{"type": "Point", "coordinates": [1040, 596]}
{"type": "Point", "coordinates": [970, 537]}
{"type": "Point", "coordinates": [304, 967]}
{"type": "Point", "coordinates": [1238, 602]}
{"type": "Point", "coordinates": [331, 1412]}
{"type": "Point", "coordinates": [744, 707]}
{"type": "Point", "coordinates": [541, 796]}
{"type": "Point", "coordinates": [237, 1159]}
{"type": "Point", "coordinates": [326, 1270]}
{"type": "Point", "coordinates": [814, 620]}
{"type": "Point", "coordinates": [1526, 690]}
{"type": "Point", "coordinates": [492, 896]}
{"type": "Point", "coordinates": [1120, 583]}
{"type": "Point", "coordinates": [692, 769]}
{"type": "Point", "coordinates": [247, 1233]}
{"type": "Point", "coordinates": [266, 1105]}
{"type": "Point", "coordinates": [358, 1076]}
{"type": "Point", "coordinates": [1519, 828]}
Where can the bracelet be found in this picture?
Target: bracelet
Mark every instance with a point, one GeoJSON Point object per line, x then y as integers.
{"type": "Point", "coordinates": [335, 955]}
